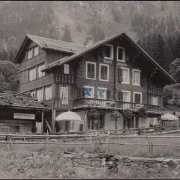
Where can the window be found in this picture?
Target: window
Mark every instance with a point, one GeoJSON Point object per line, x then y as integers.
{"type": "Point", "coordinates": [96, 124]}
{"type": "Point", "coordinates": [64, 94]}
{"type": "Point", "coordinates": [120, 54]}
{"type": "Point", "coordinates": [108, 51]}
{"type": "Point", "coordinates": [39, 69]}
{"type": "Point", "coordinates": [30, 53]}
{"type": "Point", "coordinates": [66, 68]}
{"type": "Point", "coordinates": [155, 101]}
{"type": "Point", "coordinates": [40, 94]}
{"type": "Point", "coordinates": [126, 99]}
{"type": "Point", "coordinates": [136, 77]}
{"type": "Point", "coordinates": [125, 75]}
{"type": "Point", "coordinates": [102, 93]}
{"type": "Point", "coordinates": [90, 70]}
{"type": "Point", "coordinates": [33, 93]}
{"type": "Point", "coordinates": [32, 74]}
{"type": "Point", "coordinates": [36, 50]}
{"type": "Point", "coordinates": [89, 92]}
{"type": "Point", "coordinates": [137, 97]}
{"type": "Point", "coordinates": [48, 92]}
{"type": "Point", "coordinates": [104, 72]}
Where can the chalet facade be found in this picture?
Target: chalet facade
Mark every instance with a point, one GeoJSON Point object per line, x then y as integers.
{"type": "Point", "coordinates": [113, 74]}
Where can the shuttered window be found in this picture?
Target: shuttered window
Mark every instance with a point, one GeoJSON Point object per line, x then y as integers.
{"type": "Point", "coordinates": [104, 72]}
{"type": "Point", "coordinates": [90, 70]}
{"type": "Point", "coordinates": [48, 92]}
{"type": "Point", "coordinates": [125, 75]}
{"type": "Point", "coordinates": [137, 97]}
{"type": "Point", "coordinates": [39, 70]}
{"type": "Point", "coordinates": [40, 94]}
{"type": "Point", "coordinates": [101, 93]}
{"type": "Point", "coordinates": [120, 54]}
{"type": "Point", "coordinates": [108, 51]}
{"type": "Point", "coordinates": [89, 92]}
{"type": "Point", "coordinates": [136, 77]}
{"type": "Point", "coordinates": [32, 74]}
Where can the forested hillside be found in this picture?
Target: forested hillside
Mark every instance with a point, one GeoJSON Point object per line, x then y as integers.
{"type": "Point", "coordinates": [155, 25]}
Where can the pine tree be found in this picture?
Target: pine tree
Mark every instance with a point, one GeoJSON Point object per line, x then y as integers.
{"type": "Point", "coordinates": [67, 35]}
{"type": "Point", "coordinates": [177, 48]}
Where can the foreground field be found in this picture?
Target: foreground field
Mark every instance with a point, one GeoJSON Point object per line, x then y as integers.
{"type": "Point", "coordinates": [46, 160]}
{"type": "Point", "coordinates": [53, 165]}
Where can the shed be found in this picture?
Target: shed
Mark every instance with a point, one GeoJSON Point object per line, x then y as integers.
{"type": "Point", "coordinates": [20, 112]}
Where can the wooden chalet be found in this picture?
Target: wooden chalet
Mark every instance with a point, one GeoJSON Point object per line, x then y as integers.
{"type": "Point", "coordinates": [19, 113]}
{"type": "Point", "coordinates": [113, 74]}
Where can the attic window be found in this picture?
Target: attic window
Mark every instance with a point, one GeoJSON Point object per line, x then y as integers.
{"type": "Point", "coordinates": [120, 54]}
{"type": "Point", "coordinates": [30, 53]}
{"type": "Point", "coordinates": [36, 50]}
{"type": "Point", "coordinates": [109, 51]}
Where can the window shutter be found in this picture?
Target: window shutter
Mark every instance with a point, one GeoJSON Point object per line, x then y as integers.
{"type": "Point", "coordinates": [103, 52]}
{"type": "Point", "coordinates": [119, 75]}
{"type": "Point", "coordinates": [141, 79]}
{"type": "Point", "coordinates": [83, 93]}
{"type": "Point", "coordinates": [108, 94]}
{"type": "Point", "coordinates": [120, 96]}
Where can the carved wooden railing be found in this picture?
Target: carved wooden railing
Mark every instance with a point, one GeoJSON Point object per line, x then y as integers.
{"type": "Point", "coordinates": [64, 78]}
{"type": "Point", "coordinates": [112, 104]}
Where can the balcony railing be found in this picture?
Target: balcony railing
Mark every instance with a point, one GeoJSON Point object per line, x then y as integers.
{"type": "Point", "coordinates": [112, 104]}
{"type": "Point", "coordinates": [155, 91]}
{"type": "Point", "coordinates": [64, 78]}
{"type": "Point", "coordinates": [62, 104]}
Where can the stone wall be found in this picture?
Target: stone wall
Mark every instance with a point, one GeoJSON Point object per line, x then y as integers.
{"type": "Point", "coordinates": [111, 162]}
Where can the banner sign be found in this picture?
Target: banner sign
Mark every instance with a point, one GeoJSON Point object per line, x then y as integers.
{"type": "Point", "coordinates": [24, 116]}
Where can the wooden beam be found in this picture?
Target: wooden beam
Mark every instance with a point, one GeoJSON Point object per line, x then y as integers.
{"type": "Point", "coordinates": [42, 129]}
{"type": "Point", "coordinates": [48, 125]}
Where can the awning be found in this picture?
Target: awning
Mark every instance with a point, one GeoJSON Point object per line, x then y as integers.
{"type": "Point", "coordinates": [68, 116]}
{"type": "Point", "coordinates": [169, 117]}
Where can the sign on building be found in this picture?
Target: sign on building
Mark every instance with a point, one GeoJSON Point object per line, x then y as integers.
{"type": "Point", "coordinates": [24, 116]}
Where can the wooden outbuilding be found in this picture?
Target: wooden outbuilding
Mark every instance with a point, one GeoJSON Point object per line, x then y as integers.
{"type": "Point", "coordinates": [19, 113]}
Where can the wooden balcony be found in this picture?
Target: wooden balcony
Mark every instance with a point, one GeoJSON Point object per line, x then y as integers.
{"type": "Point", "coordinates": [155, 91]}
{"type": "Point", "coordinates": [105, 104]}
{"type": "Point", "coordinates": [62, 104]}
{"type": "Point", "coordinates": [64, 78]}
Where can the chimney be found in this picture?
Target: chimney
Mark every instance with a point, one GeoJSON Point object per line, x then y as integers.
{"type": "Point", "coordinates": [89, 41]}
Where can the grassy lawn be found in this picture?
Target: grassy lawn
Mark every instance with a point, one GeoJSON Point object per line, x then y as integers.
{"type": "Point", "coordinates": [45, 161]}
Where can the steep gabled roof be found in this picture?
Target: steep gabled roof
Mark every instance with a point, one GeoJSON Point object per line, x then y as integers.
{"type": "Point", "coordinates": [47, 43]}
{"type": "Point", "coordinates": [100, 43]}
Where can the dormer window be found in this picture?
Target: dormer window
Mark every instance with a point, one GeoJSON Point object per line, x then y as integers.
{"type": "Point", "coordinates": [108, 51]}
{"type": "Point", "coordinates": [30, 53]}
{"type": "Point", "coordinates": [120, 54]}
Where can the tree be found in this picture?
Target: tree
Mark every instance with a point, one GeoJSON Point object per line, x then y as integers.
{"type": "Point", "coordinates": [177, 48]}
{"type": "Point", "coordinates": [67, 35]}
{"type": "Point", "coordinates": [115, 116]}
{"type": "Point", "coordinates": [175, 69]}
{"type": "Point", "coordinates": [8, 76]}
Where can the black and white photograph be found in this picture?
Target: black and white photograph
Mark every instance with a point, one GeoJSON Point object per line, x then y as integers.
{"type": "Point", "coordinates": [90, 89]}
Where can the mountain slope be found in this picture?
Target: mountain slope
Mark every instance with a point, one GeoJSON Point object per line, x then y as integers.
{"type": "Point", "coordinates": [137, 18]}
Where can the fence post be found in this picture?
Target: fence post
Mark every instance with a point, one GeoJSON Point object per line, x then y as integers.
{"type": "Point", "coordinates": [10, 140]}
